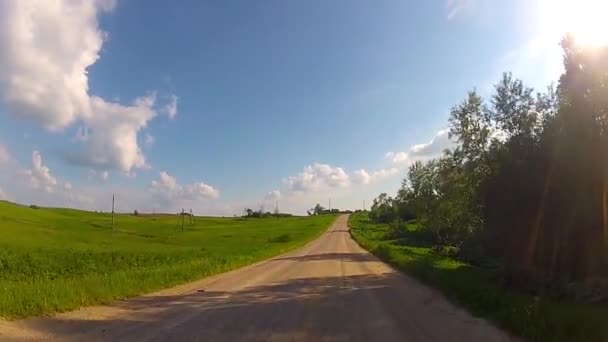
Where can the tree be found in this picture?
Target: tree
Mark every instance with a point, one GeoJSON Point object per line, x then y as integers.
{"type": "Point", "coordinates": [527, 182]}
{"type": "Point", "coordinates": [383, 209]}
{"type": "Point", "coordinates": [317, 209]}
{"type": "Point", "coordinates": [547, 202]}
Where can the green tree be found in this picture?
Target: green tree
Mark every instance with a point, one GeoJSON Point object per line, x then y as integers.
{"type": "Point", "coordinates": [317, 209]}
{"type": "Point", "coordinates": [383, 209]}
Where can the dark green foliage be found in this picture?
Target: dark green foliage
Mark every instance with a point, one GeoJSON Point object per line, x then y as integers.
{"type": "Point", "coordinates": [387, 209]}
{"type": "Point", "coordinates": [551, 225]}
{"type": "Point", "coordinates": [320, 210]}
{"type": "Point", "coordinates": [250, 213]}
{"type": "Point", "coordinates": [526, 184]}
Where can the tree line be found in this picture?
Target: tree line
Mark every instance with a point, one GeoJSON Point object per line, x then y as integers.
{"type": "Point", "coordinates": [526, 184]}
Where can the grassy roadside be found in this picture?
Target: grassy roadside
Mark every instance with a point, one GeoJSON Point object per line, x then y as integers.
{"type": "Point", "coordinates": [53, 260]}
{"type": "Point", "coordinates": [477, 290]}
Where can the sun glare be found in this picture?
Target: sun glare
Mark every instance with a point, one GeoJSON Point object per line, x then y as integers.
{"type": "Point", "coordinates": [584, 19]}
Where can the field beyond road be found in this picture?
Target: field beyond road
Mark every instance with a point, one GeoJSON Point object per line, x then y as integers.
{"type": "Point", "coordinates": [54, 260]}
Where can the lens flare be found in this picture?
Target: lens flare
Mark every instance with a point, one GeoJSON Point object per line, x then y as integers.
{"type": "Point", "coordinates": [584, 19]}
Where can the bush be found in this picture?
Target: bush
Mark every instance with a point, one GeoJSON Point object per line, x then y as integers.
{"type": "Point", "coordinates": [35, 207]}
{"type": "Point", "coordinates": [448, 251]}
{"type": "Point", "coordinates": [397, 230]}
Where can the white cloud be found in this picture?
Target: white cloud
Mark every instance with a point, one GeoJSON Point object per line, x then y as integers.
{"type": "Point", "coordinates": [171, 108]}
{"type": "Point", "coordinates": [5, 157]}
{"type": "Point", "coordinates": [165, 181]}
{"type": "Point", "coordinates": [363, 177]}
{"type": "Point", "coordinates": [317, 176]}
{"type": "Point", "coordinates": [435, 147]}
{"type": "Point", "coordinates": [46, 48]}
{"type": "Point", "coordinates": [168, 187]}
{"type": "Point", "coordinates": [150, 139]}
{"type": "Point", "coordinates": [18, 186]}
{"type": "Point", "coordinates": [430, 150]}
{"type": "Point", "coordinates": [105, 175]}
{"type": "Point", "coordinates": [273, 195]}
{"type": "Point", "coordinates": [38, 184]}
{"type": "Point", "coordinates": [112, 144]}
{"type": "Point", "coordinates": [384, 173]}
{"type": "Point", "coordinates": [396, 157]}
{"type": "Point", "coordinates": [40, 175]}
{"type": "Point", "coordinates": [201, 189]}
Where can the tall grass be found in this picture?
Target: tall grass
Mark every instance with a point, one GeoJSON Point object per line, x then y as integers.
{"type": "Point", "coordinates": [59, 259]}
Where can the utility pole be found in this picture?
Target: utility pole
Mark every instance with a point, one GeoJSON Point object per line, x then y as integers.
{"type": "Point", "coordinates": [182, 219]}
{"type": "Point", "coordinates": [363, 205]}
{"type": "Point", "coordinates": [330, 204]}
{"type": "Point", "coordinates": [112, 212]}
{"type": "Point", "coordinates": [191, 216]}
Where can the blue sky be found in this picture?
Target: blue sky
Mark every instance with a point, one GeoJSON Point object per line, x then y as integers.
{"type": "Point", "coordinates": [222, 105]}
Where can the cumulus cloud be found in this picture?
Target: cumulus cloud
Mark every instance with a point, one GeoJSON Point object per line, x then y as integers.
{"type": "Point", "coordinates": [171, 108]}
{"type": "Point", "coordinates": [167, 186]}
{"type": "Point", "coordinates": [363, 177]}
{"type": "Point", "coordinates": [430, 150]}
{"type": "Point", "coordinates": [112, 143]}
{"type": "Point", "coordinates": [317, 176]}
{"type": "Point", "coordinates": [40, 175]}
{"type": "Point", "coordinates": [273, 195]}
{"type": "Point", "coordinates": [37, 183]}
{"type": "Point", "coordinates": [46, 48]}
{"type": "Point", "coordinates": [436, 146]}
{"type": "Point", "coordinates": [396, 157]}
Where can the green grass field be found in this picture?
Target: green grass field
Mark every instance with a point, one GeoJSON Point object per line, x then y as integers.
{"type": "Point", "coordinates": [59, 259]}
{"type": "Point", "coordinates": [478, 290]}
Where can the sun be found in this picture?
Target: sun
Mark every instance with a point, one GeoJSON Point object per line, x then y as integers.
{"type": "Point", "coordinates": [586, 20]}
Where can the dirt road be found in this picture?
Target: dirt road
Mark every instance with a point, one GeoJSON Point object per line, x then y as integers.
{"type": "Point", "coordinates": [330, 290]}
